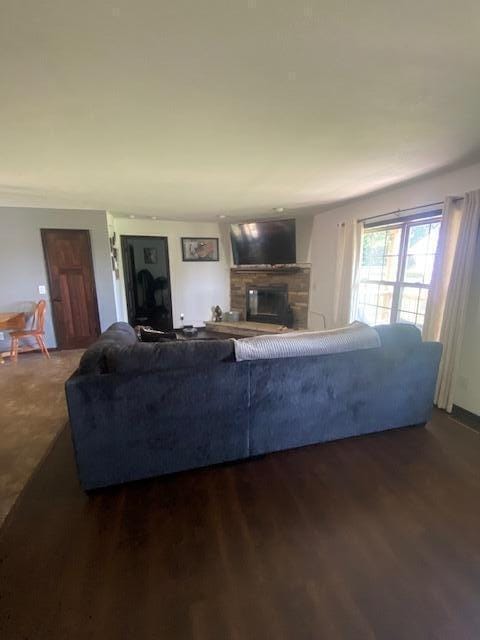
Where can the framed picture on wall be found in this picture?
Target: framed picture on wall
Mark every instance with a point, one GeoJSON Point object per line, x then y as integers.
{"type": "Point", "coordinates": [200, 249]}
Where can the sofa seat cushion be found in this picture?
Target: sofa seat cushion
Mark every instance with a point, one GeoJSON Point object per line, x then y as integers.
{"type": "Point", "coordinates": [159, 356]}
{"type": "Point", "coordinates": [307, 343]}
{"type": "Point", "coordinates": [93, 360]}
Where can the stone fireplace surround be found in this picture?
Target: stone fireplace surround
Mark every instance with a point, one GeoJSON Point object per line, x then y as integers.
{"type": "Point", "coordinates": [296, 277]}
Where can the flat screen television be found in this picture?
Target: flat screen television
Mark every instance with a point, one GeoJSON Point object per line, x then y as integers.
{"type": "Point", "coordinates": [264, 242]}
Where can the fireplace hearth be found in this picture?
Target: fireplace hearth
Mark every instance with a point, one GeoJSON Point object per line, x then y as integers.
{"type": "Point", "coordinates": [267, 303]}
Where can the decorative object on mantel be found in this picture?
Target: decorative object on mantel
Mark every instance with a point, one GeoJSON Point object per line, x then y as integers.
{"type": "Point", "coordinates": [217, 314]}
{"type": "Point", "coordinates": [200, 250]}
{"type": "Point", "coordinates": [231, 316]}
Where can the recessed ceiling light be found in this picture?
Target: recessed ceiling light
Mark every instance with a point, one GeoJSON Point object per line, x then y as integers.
{"type": "Point", "coordinates": [279, 209]}
{"type": "Point", "coordinates": [154, 217]}
{"type": "Point", "coordinates": [222, 216]}
{"type": "Point", "coordinates": [131, 217]}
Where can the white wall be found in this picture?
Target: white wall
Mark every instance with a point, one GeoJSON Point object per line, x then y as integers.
{"type": "Point", "coordinates": [22, 263]}
{"type": "Point", "coordinates": [303, 233]}
{"type": "Point", "coordinates": [324, 245]}
{"type": "Point", "coordinates": [196, 286]}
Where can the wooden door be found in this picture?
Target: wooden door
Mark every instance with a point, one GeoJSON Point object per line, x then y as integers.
{"type": "Point", "coordinates": [68, 256]}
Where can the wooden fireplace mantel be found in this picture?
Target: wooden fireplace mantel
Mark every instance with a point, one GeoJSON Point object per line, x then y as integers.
{"type": "Point", "coordinates": [271, 269]}
{"type": "Point", "coordinates": [272, 272]}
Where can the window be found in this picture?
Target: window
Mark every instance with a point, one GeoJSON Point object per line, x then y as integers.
{"type": "Point", "coordinates": [396, 271]}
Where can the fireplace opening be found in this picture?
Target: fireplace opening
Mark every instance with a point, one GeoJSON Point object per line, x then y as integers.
{"type": "Point", "coordinates": [268, 304]}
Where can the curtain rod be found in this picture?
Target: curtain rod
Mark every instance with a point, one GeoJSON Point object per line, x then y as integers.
{"type": "Point", "coordinates": [397, 211]}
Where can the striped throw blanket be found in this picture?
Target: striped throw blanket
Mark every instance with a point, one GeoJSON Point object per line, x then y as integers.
{"type": "Point", "coordinates": [307, 343]}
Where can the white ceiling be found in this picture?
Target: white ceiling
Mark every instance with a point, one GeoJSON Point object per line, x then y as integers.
{"type": "Point", "coordinates": [195, 108]}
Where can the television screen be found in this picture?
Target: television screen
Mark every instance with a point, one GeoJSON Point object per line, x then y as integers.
{"type": "Point", "coordinates": [264, 242]}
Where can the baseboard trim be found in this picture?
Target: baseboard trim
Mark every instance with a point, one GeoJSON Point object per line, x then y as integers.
{"type": "Point", "coordinates": [467, 417]}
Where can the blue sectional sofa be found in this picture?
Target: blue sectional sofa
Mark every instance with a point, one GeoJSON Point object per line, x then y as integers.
{"type": "Point", "coordinates": [139, 410]}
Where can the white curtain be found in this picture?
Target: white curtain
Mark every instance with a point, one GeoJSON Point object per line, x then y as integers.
{"type": "Point", "coordinates": [348, 256]}
{"type": "Point", "coordinates": [442, 270]}
{"type": "Point", "coordinates": [451, 312]}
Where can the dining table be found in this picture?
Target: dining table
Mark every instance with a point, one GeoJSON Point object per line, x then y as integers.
{"type": "Point", "coordinates": [11, 321]}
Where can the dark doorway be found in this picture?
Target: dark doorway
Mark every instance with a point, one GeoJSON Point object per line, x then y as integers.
{"type": "Point", "coordinates": [147, 281]}
{"type": "Point", "coordinates": [68, 256]}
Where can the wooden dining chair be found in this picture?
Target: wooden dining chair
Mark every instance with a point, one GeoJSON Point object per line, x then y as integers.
{"type": "Point", "coordinates": [37, 332]}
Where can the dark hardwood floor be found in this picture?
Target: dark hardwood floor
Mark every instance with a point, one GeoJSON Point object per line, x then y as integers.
{"type": "Point", "coordinates": [374, 537]}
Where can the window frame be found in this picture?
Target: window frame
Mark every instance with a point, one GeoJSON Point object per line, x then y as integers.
{"type": "Point", "coordinates": [399, 283]}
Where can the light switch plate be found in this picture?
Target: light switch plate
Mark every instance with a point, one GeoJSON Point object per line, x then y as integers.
{"type": "Point", "coordinates": [42, 289]}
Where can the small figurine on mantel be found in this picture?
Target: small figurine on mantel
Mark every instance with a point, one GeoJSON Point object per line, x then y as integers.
{"type": "Point", "coordinates": [217, 314]}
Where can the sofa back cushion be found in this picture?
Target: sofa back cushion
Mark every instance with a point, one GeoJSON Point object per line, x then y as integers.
{"type": "Point", "coordinates": [399, 336]}
{"type": "Point", "coordinates": [118, 334]}
{"type": "Point", "coordinates": [307, 343]}
{"type": "Point", "coordinates": [168, 355]}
